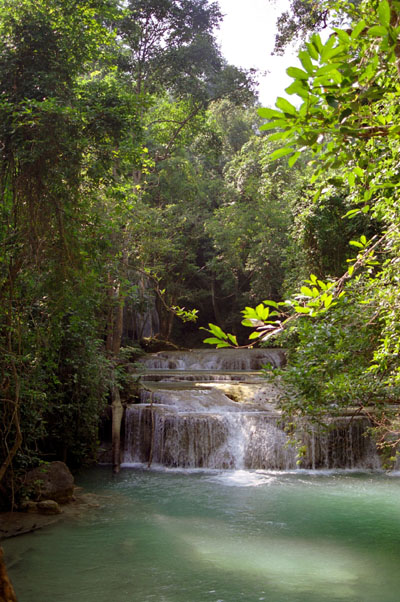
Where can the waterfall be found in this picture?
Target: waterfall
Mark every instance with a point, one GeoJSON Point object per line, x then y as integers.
{"type": "Point", "coordinates": [213, 409]}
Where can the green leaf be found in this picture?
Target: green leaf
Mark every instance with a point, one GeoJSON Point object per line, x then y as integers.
{"type": "Point", "coordinates": [312, 51]}
{"type": "Point", "coordinates": [352, 213]}
{"type": "Point", "coordinates": [355, 243]}
{"type": "Point", "coordinates": [274, 124]}
{"type": "Point", "coordinates": [327, 301]}
{"type": "Point", "coordinates": [233, 339]}
{"type": "Point", "coordinates": [262, 312]}
{"type": "Point", "coordinates": [307, 292]}
{"type": "Point", "coordinates": [249, 312]}
{"type": "Point", "coordinates": [326, 69]}
{"type": "Point", "coordinates": [342, 35]}
{"type": "Point", "coordinates": [272, 304]}
{"type": "Point", "coordinates": [222, 344]}
{"type": "Point", "coordinates": [255, 335]}
{"type": "Point", "coordinates": [327, 48]}
{"type": "Point", "coordinates": [306, 61]}
{"type": "Point", "coordinates": [384, 13]}
{"type": "Point", "coordinates": [297, 73]}
{"type": "Point", "coordinates": [248, 322]}
{"type": "Point", "coordinates": [285, 106]}
{"type": "Point", "coordinates": [278, 136]}
{"type": "Point", "coordinates": [281, 152]}
{"type": "Point", "coordinates": [301, 310]}
{"type": "Point", "coordinates": [217, 331]}
{"type": "Point", "coordinates": [358, 29]}
{"type": "Point", "coordinates": [332, 52]}
{"type": "Point", "coordinates": [269, 113]}
{"type": "Point", "coordinates": [297, 87]}
{"type": "Point", "coordinates": [292, 160]}
{"type": "Point", "coordinates": [316, 41]}
{"type": "Point", "coordinates": [212, 341]}
{"type": "Point", "coordinates": [377, 31]}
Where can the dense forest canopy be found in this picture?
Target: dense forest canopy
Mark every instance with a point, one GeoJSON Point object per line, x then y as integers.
{"type": "Point", "coordinates": [342, 324]}
{"type": "Point", "coordinates": [139, 185]}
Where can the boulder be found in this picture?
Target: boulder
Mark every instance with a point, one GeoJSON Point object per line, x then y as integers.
{"type": "Point", "coordinates": [29, 506]}
{"type": "Point", "coordinates": [48, 507]}
{"type": "Point", "coordinates": [52, 481]}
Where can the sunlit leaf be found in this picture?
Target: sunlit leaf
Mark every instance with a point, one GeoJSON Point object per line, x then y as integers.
{"type": "Point", "coordinates": [269, 113]}
{"type": "Point", "coordinates": [232, 338]}
{"type": "Point", "coordinates": [292, 160]}
{"type": "Point", "coordinates": [255, 335]}
{"type": "Point", "coordinates": [384, 12]}
{"type": "Point", "coordinates": [285, 106]}
{"type": "Point", "coordinates": [302, 310]}
{"type": "Point", "coordinates": [297, 73]}
{"type": "Point", "coordinates": [358, 29]}
{"type": "Point", "coordinates": [281, 152]}
{"type": "Point", "coordinates": [377, 31]}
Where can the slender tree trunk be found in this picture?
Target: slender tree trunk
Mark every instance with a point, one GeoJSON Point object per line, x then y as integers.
{"type": "Point", "coordinates": [114, 338]}
{"type": "Point", "coordinates": [117, 414]}
{"type": "Point", "coordinates": [116, 405]}
{"type": "Point", "coordinates": [217, 315]}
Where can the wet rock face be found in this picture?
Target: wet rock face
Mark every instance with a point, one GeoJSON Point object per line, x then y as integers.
{"type": "Point", "coordinates": [52, 481]}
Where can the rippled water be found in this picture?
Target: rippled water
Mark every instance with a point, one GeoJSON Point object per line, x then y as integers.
{"type": "Point", "coordinates": [219, 537]}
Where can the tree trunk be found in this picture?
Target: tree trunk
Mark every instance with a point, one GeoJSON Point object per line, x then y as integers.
{"type": "Point", "coordinates": [113, 343]}
{"type": "Point", "coordinates": [117, 414]}
{"type": "Point", "coordinates": [217, 315]}
{"type": "Point", "coordinates": [7, 593]}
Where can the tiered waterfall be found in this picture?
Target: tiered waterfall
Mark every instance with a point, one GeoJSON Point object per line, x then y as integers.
{"type": "Point", "coordinates": [214, 409]}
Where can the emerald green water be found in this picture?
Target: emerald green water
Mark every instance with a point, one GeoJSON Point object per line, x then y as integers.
{"type": "Point", "coordinates": [219, 537]}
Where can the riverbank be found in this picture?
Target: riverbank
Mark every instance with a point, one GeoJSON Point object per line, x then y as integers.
{"type": "Point", "coordinates": [13, 524]}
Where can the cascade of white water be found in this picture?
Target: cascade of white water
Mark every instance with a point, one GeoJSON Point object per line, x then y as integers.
{"type": "Point", "coordinates": [181, 422]}
{"type": "Point", "coordinates": [212, 360]}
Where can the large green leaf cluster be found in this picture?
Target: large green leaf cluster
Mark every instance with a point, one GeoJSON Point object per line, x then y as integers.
{"type": "Point", "coordinates": [348, 117]}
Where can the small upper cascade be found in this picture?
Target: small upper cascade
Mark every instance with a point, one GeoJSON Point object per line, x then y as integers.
{"type": "Point", "coordinates": [229, 360]}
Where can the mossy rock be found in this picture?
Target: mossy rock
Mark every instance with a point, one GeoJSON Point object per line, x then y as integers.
{"type": "Point", "coordinates": [52, 481]}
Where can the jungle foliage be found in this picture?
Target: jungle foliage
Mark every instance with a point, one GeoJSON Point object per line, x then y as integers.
{"type": "Point", "coordinates": [138, 186]}
{"type": "Point", "coordinates": [341, 324]}
{"type": "Point", "coordinates": [121, 129]}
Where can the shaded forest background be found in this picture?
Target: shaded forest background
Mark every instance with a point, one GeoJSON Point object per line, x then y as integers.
{"type": "Point", "coordinates": [140, 191]}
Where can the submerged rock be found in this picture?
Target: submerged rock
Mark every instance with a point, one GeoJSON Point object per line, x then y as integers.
{"type": "Point", "coordinates": [13, 524]}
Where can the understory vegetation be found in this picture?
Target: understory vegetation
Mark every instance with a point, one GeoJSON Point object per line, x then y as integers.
{"type": "Point", "coordinates": [144, 192]}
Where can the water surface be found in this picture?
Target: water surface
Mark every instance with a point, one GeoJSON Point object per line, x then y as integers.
{"type": "Point", "coordinates": [165, 536]}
